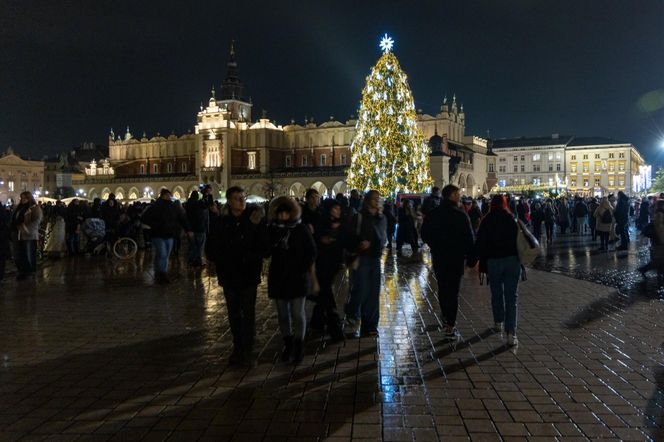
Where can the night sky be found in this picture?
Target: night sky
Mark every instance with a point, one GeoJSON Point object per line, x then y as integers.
{"type": "Point", "coordinates": [71, 70]}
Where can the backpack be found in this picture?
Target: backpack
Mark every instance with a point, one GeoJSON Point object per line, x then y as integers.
{"type": "Point", "coordinates": [606, 217]}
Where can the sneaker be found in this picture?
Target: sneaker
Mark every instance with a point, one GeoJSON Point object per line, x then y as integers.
{"type": "Point", "coordinates": [498, 327]}
{"type": "Point", "coordinates": [451, 332]}
{"type": "Point", "coordinates": [512, 340]}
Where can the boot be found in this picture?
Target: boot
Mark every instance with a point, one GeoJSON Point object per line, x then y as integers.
{"type": "Point", "coordinates": [298, 351]}
{"type": "Point", "coordinates": [288, 349]}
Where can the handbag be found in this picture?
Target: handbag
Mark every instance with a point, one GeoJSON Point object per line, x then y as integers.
{"type": "Point", "coordinates": [527, 245]}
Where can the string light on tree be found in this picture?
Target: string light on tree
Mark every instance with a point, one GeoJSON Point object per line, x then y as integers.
{"type": "Point", "coordinates": [389, 152]}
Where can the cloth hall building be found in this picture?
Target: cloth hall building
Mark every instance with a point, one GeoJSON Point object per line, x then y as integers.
{"type": "Point", "coordinates": [227, 147]}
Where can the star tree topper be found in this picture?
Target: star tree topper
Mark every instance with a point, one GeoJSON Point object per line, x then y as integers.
{"type": "Point", "coordinates": [386, 43]}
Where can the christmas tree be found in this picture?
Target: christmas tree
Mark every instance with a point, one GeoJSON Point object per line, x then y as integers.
{"type": "Point", "coordinates": [389, 152]}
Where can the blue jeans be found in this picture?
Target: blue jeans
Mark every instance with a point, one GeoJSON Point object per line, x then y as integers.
{"type": "Point", "coordinates": [73, 241]}
{"type": "Point", "coordinates": [292, 317]}
{"type": "Point", "coordinates": [25, 256]}
{"type": "Point", "coordinates": [365, 293]}
{"type": "Point", "coordinates": [196, 245]}
{"type": "Point", "coordinates": [162, 248]}
{"type": "Point", "coordinates": [504, 274]}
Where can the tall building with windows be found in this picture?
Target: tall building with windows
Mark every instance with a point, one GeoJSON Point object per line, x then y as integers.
{"type": "Point", "coordinates": [584, 165]}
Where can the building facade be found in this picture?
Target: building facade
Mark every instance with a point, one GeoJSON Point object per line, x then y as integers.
{"type": "Point", "coordinates": [227, 147]}
{"type": "Point", "coordinates": [583, 165]}
{"type": "Point", "coordinates": [18, 175]}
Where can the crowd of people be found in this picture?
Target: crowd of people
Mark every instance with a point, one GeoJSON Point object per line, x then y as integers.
{"type": "Point", "coordinates": [308, 243]}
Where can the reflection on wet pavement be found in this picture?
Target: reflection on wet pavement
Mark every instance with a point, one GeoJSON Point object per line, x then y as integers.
{"type": "Point", "coordinates": [93, 348]}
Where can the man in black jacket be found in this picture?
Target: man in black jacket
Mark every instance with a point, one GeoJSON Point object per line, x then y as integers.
{"type": "Point", "coordinates": [448, 233]}
{"type": "Point", "coordinates": [621, 215]}
{"type": "Point", "coordinates": [164, 219]}
{"type": "Point", "coordinates": [241, 243]}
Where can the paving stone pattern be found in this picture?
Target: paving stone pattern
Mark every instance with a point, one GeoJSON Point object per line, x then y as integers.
{"type": "Point", "coordinates": [94, 351]}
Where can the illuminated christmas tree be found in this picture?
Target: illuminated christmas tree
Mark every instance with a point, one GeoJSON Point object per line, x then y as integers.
{"type": "Point", "coordinates": [389, 152]}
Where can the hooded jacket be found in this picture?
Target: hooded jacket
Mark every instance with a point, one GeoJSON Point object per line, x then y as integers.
{"type": "Point", "coordinates": [293, 252]}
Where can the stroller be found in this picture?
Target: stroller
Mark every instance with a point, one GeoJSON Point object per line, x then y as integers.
{"type": "Point", "coordinates": [94, 230]}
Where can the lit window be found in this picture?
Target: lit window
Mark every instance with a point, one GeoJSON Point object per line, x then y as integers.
{"type": "Point", "coordinates": [598, 167]}
{"type": "Point", "coordinates": [559, 156]}
{"type": "Point", "coordinates": [612, 167]}
{"type": "Point", "coordinates": [621, 166]}
{"type": "Point", "coordinates": [585, 183]}
{"type": "Point", "coordinates": [251, 160]}
{"type": "Point", "coordinates": [573, 167]}
{"type": "Point", "coordinates": [537, 156]}
{"type": "Point", "coordinates": [323, 160]}
{"type": "Point", "coordinates": [550, 156]}
{"type": "Point", "coordinates": [586, 168]}
{"type": "Point", "coordinates": [573, 183]}
{"type": "Point", "coordinates": [10, 185]}
{"type": "Point", "coordinates": [611, 182]}
{"type": "Point", "coordinates": [597, 182]}
{"type": "Point", "coordinates": [621, 182]}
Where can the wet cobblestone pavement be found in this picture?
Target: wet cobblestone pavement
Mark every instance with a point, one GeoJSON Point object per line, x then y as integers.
{"type": "Point", "coordinates": [93, 351]}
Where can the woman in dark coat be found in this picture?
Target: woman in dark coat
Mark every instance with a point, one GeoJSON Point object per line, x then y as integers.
{"type": "Point", "coordinates": [4, 239]}
{"type": "Point", "coordinates": [536, 219]}
{"type": "Point", "coordinates": [499, 258]}
{"type": "Point", "coordinates": [289, 281]}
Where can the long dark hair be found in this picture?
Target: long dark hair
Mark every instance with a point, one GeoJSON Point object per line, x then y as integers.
{"type": "Point", "coordinates": [498, 202]}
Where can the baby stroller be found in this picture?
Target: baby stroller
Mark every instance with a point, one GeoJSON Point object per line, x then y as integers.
{"type": "Point", "coordinates": [94, 230]}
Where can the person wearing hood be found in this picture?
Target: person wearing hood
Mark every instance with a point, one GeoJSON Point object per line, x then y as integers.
{"type": "Point", "coordinates": [290, 279]}
{"type": "Point", "coordinates": [165, 220]}
{"type": "Point", "coordinates": [239, 243]}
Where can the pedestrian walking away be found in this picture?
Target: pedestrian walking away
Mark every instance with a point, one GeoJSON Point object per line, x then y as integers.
{"type": "Point", "coordinates": [449, 234]}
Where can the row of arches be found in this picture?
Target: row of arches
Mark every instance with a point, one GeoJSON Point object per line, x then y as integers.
{"type": "Point", "coordinates": [134, 193]}
{"type": "Point", "coordinates": [468, 185]}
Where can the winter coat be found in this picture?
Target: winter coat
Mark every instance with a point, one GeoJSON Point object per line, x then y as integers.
{"type": "Point", "coordinates": [563, 215]}
{"type": "Point", "coordinates": [580, 210]}
{"type": "Point", "coordinates": [537, 216]}
{"type": "Point", "coordinates": [407, 232]}
{"type": "Point", "coordinates": [164, 219]}
{"type": "Point", "coordinates": [239, 246]}
{"type": "Point", "coordinates": [622, 210]}
{"type": "Point", "coordinates": [110, 215]}
{"type": "Point", "coordinates": [475, 215]}
{"type": "Point", "coordinates": [430, 203]}
{"type": "Point", "coordinates": [293, 252]}
{"type": "Point", "coordinates": [549, 214]}
{"type": "Point", "coordinates": [330, 256]}
{"type": "Point", "coordinates": [27, 227]}
{"type": "Point", "coordinates": [448, 233]}
{"type": "Point", "coordinates": [601, 226]}
{"type": "Point", "coordinates": [197, 215]}
{"type": "Point", "coordinates": [657, 243]}
{"type": "Point", "coordinates": [373, 228]}
{"type": "Point", "coordinates": [496, 237]}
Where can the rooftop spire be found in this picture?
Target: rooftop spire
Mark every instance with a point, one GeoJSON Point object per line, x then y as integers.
{"type": "Point", "coordinates": [231, 87]}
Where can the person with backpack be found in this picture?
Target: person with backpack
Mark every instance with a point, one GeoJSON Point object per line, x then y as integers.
{"type": "Point", "coordinates": [604, 220]}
